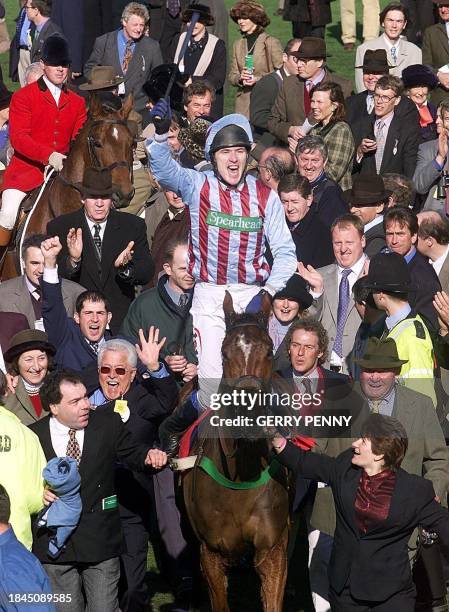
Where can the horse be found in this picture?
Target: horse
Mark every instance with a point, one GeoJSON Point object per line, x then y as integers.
{"type": "Point", "coordinates": [232, 522]}
{"type": "Point", "coordinates": [106, 142]}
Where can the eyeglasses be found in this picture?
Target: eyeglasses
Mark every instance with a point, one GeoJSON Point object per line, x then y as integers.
{"type": "Point", "coordinates": [384, 99]}
{"type": "Point", "coordinates": [294, 58]}
{"type": "Point", "coordinates": [108, 369]}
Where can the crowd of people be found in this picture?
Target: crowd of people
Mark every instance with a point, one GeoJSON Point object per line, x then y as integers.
{"type": "Point", "coordinates": [324, 197]}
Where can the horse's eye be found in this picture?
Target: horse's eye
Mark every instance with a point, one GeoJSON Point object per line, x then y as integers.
{"type": "Point", "coordinates": [98, 144]}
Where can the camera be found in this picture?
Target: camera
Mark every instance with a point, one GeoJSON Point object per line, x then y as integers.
{"type": "Point", "coordinates": [443, 184]}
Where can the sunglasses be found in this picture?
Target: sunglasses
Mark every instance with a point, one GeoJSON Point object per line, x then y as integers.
{"type": "Point", "coordinates": [108, 369]}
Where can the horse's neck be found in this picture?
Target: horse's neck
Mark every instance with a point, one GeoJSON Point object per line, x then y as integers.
{"type": "Point", "coordinates": [239, 460]}
{"type": "Point", "coordinates": [75, 163]}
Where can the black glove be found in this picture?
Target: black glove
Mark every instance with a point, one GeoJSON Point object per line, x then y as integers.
{"type": "Point", "coordinates": [161, 115]}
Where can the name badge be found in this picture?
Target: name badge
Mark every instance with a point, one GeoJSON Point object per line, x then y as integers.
{"type": "Point", "coordinates": [121, 89]}
{"type": "Point", "coordinates": [109, 503]}
{"type": "Point", "coordinates": [39, 324]}
{"type": "Point", "coordinates": [121, 407]}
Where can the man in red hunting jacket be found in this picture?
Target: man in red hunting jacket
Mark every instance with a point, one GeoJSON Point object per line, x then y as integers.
{"type": "Point", "coordinates": [44, 118]}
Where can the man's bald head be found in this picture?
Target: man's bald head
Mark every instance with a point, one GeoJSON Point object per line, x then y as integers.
{"type": "Point", "coordinates": [274, 164]}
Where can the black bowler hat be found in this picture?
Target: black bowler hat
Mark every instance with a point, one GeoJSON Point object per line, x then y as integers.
{"type": "Point", "coordinates": [55, 51]}
{"type": "Point", "coordinates": [375, 61]}
{"type": "Point", "coordinates": [367, 190]}
{"type": "Point", "coordinates": [296, 290]}
{"type": "Point", "coordinates": [203, 10]}
{"type": "Point", "coordinates": [389, 272]}
{"type": "Point", "coordinates": [97, 184]}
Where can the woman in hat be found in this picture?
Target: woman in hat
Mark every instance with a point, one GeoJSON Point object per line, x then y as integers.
{"type": "Point", "coordinates": [254, 54]}
{"type": "Point", "coordinates": [205, 57]}
{"type": "Point", "coordinates": [29, 358]}
{"type": "Point", "coordinates": [5, 99]}
{"type": "Point", "coordinates": [418, 82]}
{"type": "Point", "coordinates": [378, 506]}
{"type": "Point", "coordinates": [327, 104]}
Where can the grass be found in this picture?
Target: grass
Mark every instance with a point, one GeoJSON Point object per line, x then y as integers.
{"type": "Point", "coordinates": [244, 588]}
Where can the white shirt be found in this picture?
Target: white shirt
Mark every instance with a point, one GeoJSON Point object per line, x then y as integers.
{"type": "Point", "coordinates": [102, 225]}
{"type": "Point", "coordinates": [373, 223]}
{"type": "Point", "coordinates": [389, 44]}
{"type": "Point", "coordinates": [32, 288]}
{"type": "Point", "coordinates": [438, 263]}
{"type": "Point", "coordinates": [55, 90]}
{"type": "Point", "coordinates": [59, 434]}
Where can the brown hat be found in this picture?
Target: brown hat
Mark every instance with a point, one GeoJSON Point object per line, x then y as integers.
{"type": "Point", "coordinates": [367, 190]}
{"type": "Point", "coordinates": [375, 61]}
{"type": "Point", "coordinates": [311, 48]}
{"type": "Point", "coordinates": [28, 340]}
{"type": "Point", "coordinates": [193, 137]}
{"type": "Point", "coordinates": [250, 9]}
{"type": "Point", "coordinates": [97, 184]}
{"type": "Point", "coordinates": [380, 354]}
{"type": "Point", "coordinates": [102, 77]}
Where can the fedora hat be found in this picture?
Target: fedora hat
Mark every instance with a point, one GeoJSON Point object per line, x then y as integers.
{"type": "Point", "coordinates": [5, 96]}
{"type": "Point", "coordinates": [102, 77]}
{"type": "Point", "coordinates": [193, 137]}
{"type": "Point", "coordinates": [311, 48]}
{"type": "Point", "coordinates": [55, 51]}
{"type": "Point", "coordinates": [389, 272]}
{"type": "Point", "coordinates": [295, 290]}
{"type": "Point", "coordinates": [375, 61]}
{"type": "Point", "coordinates": [203, 10]}
{"type": "Point", "coordinates": [28, 340]}
{"type": "Point", "coordinates": [380, 354]}
{"type": "Point", "coordinates": [97, 184]}
{"type": "Point", "coordinates": [418, 75]}
{"type": "Point", "coordinates": [367, 190]}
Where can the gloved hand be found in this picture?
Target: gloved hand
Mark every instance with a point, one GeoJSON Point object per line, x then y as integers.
{"type": "Point", "coordinates": [161, 115]}
{"type": "Point", "coordinates": [56, 160]}
{"type": "Point", "coordinates": [255, 304]}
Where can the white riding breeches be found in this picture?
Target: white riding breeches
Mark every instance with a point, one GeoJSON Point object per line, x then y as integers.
{"type": "Point", "coordinates": [11, 200]}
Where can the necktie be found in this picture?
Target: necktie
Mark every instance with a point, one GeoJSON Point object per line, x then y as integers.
{"type": "Point", "coordinates": [307, 385]}
{"type": "Point", "coordinates": [343, 303]}
{"type": "Point", "coordinates": [374, 405]}
{"type": "Point", "coordinates": [36, 302]}
{"type": "Point", "coordinates": [307, 87]}
{"type": "Point", "coordinates": [97, 237]}
{"type": "Point", "coordinates": [94, 346]}
{"type": "Point", "coordinates": [173, 7]}
{"type": "Point", "coordinates": [380, 139]}
{"type": "Point", "coordinates": [127, 56]}
{"type": "Point", "coordinates": [73, 448]}
{"type": "Point", "coordinates": [369, 103]}
{"type": "Point", "coordinates": [394, 55]}
{"type": "Point", "coordinates": [183, 299]}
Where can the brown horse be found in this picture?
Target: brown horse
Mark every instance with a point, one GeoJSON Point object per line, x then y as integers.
{"type": "Point", "coordinates": [230, 522]}
{"type": "Point", "coordinates": [105, 141]}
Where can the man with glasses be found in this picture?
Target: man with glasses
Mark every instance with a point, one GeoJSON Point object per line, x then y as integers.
{"type": "Point", "coordinates": [435, 50]}
{"type": "Point", "coordinates": [384, 141]}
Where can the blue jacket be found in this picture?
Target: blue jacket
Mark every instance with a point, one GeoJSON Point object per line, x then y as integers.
{"type": "Point", "coordinates": [61, 474]}
{"type": "Point", "coordinates": [21, 573]}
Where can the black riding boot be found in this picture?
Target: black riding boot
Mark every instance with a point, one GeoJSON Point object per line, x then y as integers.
{"type": "Point", "coordinates": [175, 425]}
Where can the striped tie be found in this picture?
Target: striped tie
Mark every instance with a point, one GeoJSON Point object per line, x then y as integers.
{"type": "Point", "coordinates": [380, 139]}
{"type": "Point", "coordinates": [343, 303]}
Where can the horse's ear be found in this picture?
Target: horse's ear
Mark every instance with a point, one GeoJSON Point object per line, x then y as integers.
{"type": "Point", "coordinates": [95, 105]}
{"type": "Point", "coordinates": [228, 309]}
{"type": "Point", "coordinates": [265, 311]}
{"type": "Point", "coordinates": [127, 106]}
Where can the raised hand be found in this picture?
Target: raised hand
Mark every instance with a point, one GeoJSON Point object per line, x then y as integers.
{"type": "Point", "coordinates": [148, 351]}
{"type": "Point", "coordinates": [441, 305]}
{"type": "Point", "coordinates": [75, 244]}
{"type": "Point", "coordinates": [312, 277]}
{"type": "Point", "coordinates": [50, 249]}
{"type": "Point", "coordinates": [125, 256]}
{"type": "Point", "coordinates": [161, 115]}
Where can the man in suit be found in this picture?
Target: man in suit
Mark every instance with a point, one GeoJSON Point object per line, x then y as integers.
{"type": "Point", "coordinates": [384, 141]}
{"type": "Point", "coordinates": [367, 199]}
{"type": "Point", "coordinates": [431, 164]}
{"type": "Point", "coordinates": [292, 105]}
{"type": "Point", "coordinates": [23, 293]}
{"type": "Point", "coordinates": [132, 54]}
{"type": "Point", "coordinates": [401, 235]}
{"type": "Point", "coordinates": [435, 51]}
{"type": "Point", "coordinates": [361, 105]}
{"type": "Point", "coordinates": [90, 559]}
{"type": "Point", "coordinates": [264, 93]}
{"type": "Point", "coordinates": [433, 243]}
{"type": "Point", "coordinates": [102, 249]}
{"type": "Point", "coordinates": [38, 12]}
{"type": "Point", "coordinates": [400, 53]}
{"type": "Point", "coordinates": [331, 288]}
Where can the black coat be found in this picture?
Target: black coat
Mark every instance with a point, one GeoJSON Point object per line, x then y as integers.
{"type": "Point", "coordinates": [102, 276]}
{"type": "Point", "coordinates": [313, 241]}
{"type": "Point", "coordinates": [98, 536]}
{"type": "Point", "coordinates": [48, 29]}
{"type": "Point", "coordinates": [263, 96]}
{"type": "Point", "coordinates": [356, 108]}
{"type": "Point", "coordinates": [374, 565]}
{"type": "Point", "coordinates": [70, 19]}
{"type": "Point", "coordinates": [328, 198]}
{"type": "Point", "coordinates": [425, 283]}
{"type": "Point", "coordinates": [315, 12]}
{"type": "Point", "coordinates": [375, 240]}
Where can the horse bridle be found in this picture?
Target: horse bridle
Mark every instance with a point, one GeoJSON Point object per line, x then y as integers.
{"type": "Point", "coordinates": [95, 162]}
{"type": "Point", "coordinates": [248, 377]}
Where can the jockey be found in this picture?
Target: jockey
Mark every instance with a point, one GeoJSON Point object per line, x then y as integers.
{"type": "Point", "coordinates": [44, 118]}
{"type": "Point", "coordinates": [232, 217]}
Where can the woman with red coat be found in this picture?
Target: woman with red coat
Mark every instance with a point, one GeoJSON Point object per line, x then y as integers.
{"type": "Point", "coordinates": [44, 118]}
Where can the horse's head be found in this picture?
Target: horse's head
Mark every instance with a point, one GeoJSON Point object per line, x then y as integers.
{"type": "Point", "coordinates": [110, 144]}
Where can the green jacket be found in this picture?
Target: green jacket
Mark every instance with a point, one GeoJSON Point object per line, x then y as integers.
{"type": "Point", "coordinates": [155, 307]}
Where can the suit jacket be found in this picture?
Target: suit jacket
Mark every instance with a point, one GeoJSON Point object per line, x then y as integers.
{"type": "Point", "coordinates": [20, 404]}
{"type": "Point", "coordinates": [327, 307]}
{"type": "Point", "coordinates": [401, 146]}
{"type": "Point", "coordinates": [263, 97]}
{"type": "Point", "coordinates": [435, 53]}
{"type": "Point", "coordinates": [328, 198]}
{"type": "Point", "coordinates": [409, 54]}
{"type": "Point", "coordinates": [147, 55]}
{"type": "Point", "coordinates": [427, 454]}
{"type": "Point", "coordinates": [375, 240]}
{"type": "Point", "coordinates": [102, 275]}
{"type": "Point", "coordinates": [425, 284]}
{"type": "Point", "coordinates": [427, 176]}
{"type": "Point", "coordinates": [48, 29]}
{"type": "Point", "coordinates": [364, 561]}
{"type": "Point", "coordinates": [356, 108]}
{"type": "Point", "coordinates": [15, 297]}
{"type": "Point", "coordinates": [288, 108]}
{"type": "Point", "coordinates": [98, 536]}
